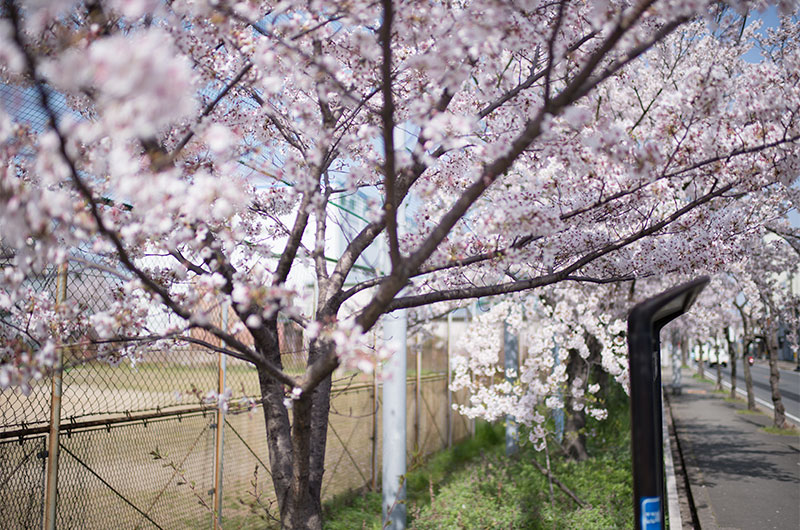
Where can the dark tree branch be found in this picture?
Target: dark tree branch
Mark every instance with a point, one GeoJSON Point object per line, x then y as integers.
{"type": "Point", "coordinates": [150, 285]}
{"type": "Point", "coordinates": [188, 264]}
{"type": "Point", "coordinates": [387, 118]}
{"type": "Point", "coordinates": [547, 279]}
{"type": "Point", "coordinates": [209, 109]}
{"type": "Point", "coordinates": [533, 76]}
{"type": "Point", "coordinates": [577, 87]}
{"type": "Point", "coordinates": [793, 240]}
{"type": "Point", "coordinates": [550, 51]}
{"type": "Point", "coordinates": [695, 166]}
{"type": "Point", "coordinates": [293, 243]}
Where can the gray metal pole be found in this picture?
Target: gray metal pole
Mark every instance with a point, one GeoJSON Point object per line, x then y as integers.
{"type": "Point", "coordinates": [394, 423]}
{"type": "Point", "coordinates": [558, 414]}
{"type": "Point", "coordinates": [55, 419]}
{"type": "Point", "coordinates": [511, 351]}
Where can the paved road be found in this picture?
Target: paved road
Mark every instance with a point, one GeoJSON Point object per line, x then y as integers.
{"type": "Point", "coordinates": [789, 384]}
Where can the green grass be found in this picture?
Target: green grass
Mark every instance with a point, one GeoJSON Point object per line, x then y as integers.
{"type": "Point", "coordinates": [748, 412]}
{"type": "Point", "coordinates": [704, 379]}
{"type": "Point", "coordinates": [791, 431]}
{"type": "Point", "coordinates": [474, 485]}
{"type": "Point", "coordinates": [363, 510]}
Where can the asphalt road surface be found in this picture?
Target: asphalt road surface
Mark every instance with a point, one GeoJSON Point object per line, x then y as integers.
{"type": "Point", "coordinates": [789, 385]}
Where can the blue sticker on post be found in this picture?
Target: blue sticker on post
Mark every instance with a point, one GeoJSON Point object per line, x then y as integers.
{"type": "Point", "coordinates": [650, 508]}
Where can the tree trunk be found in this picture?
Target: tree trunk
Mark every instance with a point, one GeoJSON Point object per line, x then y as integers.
{"type": "Point", "coordinates": [779, 418]}
{"type": "Point", "coordinates": [279, 441]}
{"type": "Point", "coordinates": [684, 351]}
{"type": "Point", "coordinates": [578, 368]}
{"type": "Point", "coordinates": [574, 427]}
{"type": "Point", "coordinates": [732, 355]}
{"type": "Point", "coordinates": [296, 451]}
{"type": "Point", "coordinates": [748, 377]}
{"type": "Point", "coordinates": [700, 371]}
{"type": "Point", "coordinates": [321, 404]}
{"type": "Point", "coordinates": [304, 509]}
{"type": "Point", "coordinates": [718, 386]}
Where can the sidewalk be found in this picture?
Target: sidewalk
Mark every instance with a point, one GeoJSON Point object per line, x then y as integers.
{"type": "Point", "coordinates": [739, 476]}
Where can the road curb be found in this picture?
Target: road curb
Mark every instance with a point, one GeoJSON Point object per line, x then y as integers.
{"type": "Point", "coordinates": [684, 494]}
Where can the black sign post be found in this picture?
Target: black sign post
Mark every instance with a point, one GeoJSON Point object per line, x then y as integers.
{"type": "Point", "coordinates": [644, 326]}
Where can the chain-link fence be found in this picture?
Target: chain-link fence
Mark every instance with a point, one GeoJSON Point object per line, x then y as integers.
{"type": "Point", "coordinates": [137, 447]}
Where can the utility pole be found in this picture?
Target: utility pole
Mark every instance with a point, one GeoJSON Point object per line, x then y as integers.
{"type": "Point", "coordinates": [395, 426]}
{"type": "Point", "coordinates": [394, 423]}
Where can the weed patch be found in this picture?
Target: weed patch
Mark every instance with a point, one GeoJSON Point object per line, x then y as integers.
{"type": "Point", "coordinates": [698, 377]}
{"type": "Point", "coordinates": [474, 485]}
{"type": "Point", "coordinates": [748, 412]}
{"type": "Point", "coordinates": [791, 431]}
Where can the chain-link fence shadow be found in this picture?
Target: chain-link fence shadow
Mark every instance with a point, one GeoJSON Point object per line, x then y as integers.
{"type": "Point", "coordinates": [22, 482]}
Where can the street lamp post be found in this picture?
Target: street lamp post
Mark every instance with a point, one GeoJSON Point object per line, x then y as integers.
{"type": "Point", "coordinates": [644, 326]}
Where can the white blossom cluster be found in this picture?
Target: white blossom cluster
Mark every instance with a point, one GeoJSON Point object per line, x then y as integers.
{"type": "Point", "coordinates": [200, 146]}
{"type": "Point", "coordinates": [549, 327]}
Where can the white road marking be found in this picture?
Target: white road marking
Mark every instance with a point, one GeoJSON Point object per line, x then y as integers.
{"type": "Point", "coordinates": [767, 404]}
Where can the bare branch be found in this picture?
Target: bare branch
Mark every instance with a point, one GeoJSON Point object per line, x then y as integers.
{"type": "Point", "coordinates": [550, 50]}
{"type": "Point", "coordinates": [547, 279]}
{"type": "Point", "coordinates": [268, 367]}
{"type": "Point", "coordinates": [533, 76]}
{"type": "Point", "coordinates": [676, 173]}
{"type": "Point", "coordinates": [188, 264]}
{"type": "Point", "coordinates": [209, 109]}
{"type": "Point", "coordinates": [293, 243]}
{"type": "Point", "coordinates": [387, 118]}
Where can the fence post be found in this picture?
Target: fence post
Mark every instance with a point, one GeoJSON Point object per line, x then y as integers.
{"type": "Point", "coordinates": [473, 312]}
{"type": "Point", "coordinates": [449, 378]}
{"type": "Point", "coordinates": [374, 478]}
{"type": "Point", "coordinates": [220, 430]}
{"type": "Point", "coordinates": [51, 490]}
{"type": "Point", "coordinates": [417, 394]}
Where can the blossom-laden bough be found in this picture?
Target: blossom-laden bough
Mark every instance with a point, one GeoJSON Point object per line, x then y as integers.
{"type": "Point", "coordinates": [499, 147]}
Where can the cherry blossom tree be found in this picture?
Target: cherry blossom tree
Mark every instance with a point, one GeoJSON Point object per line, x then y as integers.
{"type": "Point", "coordinates": [771, 263]}
{"type": "Point", "coordinates": [529, 143]}
{"type": "Point", "coordinates": [564, 352]}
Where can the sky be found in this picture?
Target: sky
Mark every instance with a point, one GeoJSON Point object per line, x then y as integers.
{"type": "Point", "coordinates": [770, 18]}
